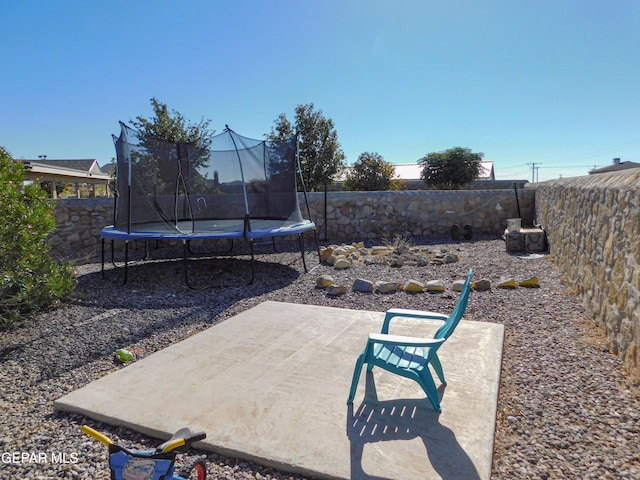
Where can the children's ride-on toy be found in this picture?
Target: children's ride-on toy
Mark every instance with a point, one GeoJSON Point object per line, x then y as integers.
{"type": "Point", "coordinates": [155, 464]}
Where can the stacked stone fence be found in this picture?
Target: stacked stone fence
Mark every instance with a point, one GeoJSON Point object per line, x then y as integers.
{"type": "Point", "coordinates": [421, 213]}
{"type": "Point", "coordinates": [593, 226]}
{"type": "Point", "coordinates": [348, 216]}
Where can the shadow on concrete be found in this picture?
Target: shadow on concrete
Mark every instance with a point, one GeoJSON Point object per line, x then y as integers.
{"type": "Point", "coordinates": [405, 419]}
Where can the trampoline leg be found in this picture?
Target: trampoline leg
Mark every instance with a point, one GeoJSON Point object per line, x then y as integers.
{"type": "Point", "coordinates": [315, 234]}
{"type": "Point", "coordinates": [273, 242]}
{"type": "Point", "coordinates": [253, 269]}
{"type": "Point", "coordinates": [185, 248]}
{"type": "Point", "coordinates": [304, 262]}
{"type": "Point", "coordinates": [102, 258]}
{"type": "Point", "coordinates": [113, 260]}
{"type": "Point", "coordinates": [126, 260]}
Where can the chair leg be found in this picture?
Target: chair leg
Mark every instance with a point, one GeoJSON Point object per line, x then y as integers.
{"type": "Point", "coordinates": [356, 377]}
{"type": "Point", "coordinates": [437, 367]}
{"type": "Point", "coordinates": [429, 387]}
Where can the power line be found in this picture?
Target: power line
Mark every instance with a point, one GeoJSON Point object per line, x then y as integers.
{"type": "Point", "coordinates": [534, 170]}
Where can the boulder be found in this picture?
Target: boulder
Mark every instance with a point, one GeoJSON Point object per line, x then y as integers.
{"type": "Point", "coordinates": [325, 253]}
{"type": "Point", "coordinates": [362, 285]}
{"type": "Point", "coordinates": [324, 281]}
{"type": "Point", "coordinates": [481, 285]}
{"type": "Point", "coordinates": [335, 290]}
{"type": "Point", "coordinates": [434, 286]}
{"type": "Point", "coordinates": [507, 282]}
{"type": "Point", "coordinates": [530, 282]}
{"type": "Point", "coordinates": [385, 287]}
{"type": "Point", "coordinates": [413, 286]}
{"type": "Point", "coordinates": [458, 285]}
{"type": "Point", "coordinates": [342, 263]}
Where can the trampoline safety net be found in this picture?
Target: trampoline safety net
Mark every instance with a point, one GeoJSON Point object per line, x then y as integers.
{"type": "Point", "coordinates": [184, 187]}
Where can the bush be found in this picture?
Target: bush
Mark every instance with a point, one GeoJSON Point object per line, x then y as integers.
{"type": "Point", "coordinates": [30, 279]}
{"type": "Point", "coordinates": [370, 173]}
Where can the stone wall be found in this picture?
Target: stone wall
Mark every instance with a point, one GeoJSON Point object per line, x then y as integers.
{"type": "Point", "coordinates": [79, 221]}
{"type": "Point", "coordinates": [350, 215]}
{"type": "Point", "coordinates": [367, 215]}
{"type": "Point", "coordinates": [593, 225]}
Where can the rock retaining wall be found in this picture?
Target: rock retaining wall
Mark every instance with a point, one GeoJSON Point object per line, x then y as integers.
{"type": "Point", "coordinates": [368, 215]}
{"type": "Point", "coordinates": [350, 215]}
{"type": "Point", "coordinates": [79, 221]}
{"type": "Point", "coordinates": [593, 225]}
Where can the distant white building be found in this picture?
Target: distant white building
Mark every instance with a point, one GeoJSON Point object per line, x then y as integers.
{"type": "Point", "coordinates": [411, 171]}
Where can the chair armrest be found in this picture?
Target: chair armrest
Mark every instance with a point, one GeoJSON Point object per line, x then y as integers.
{"type": "Point", "coordinates": [404, 340]}
{"type": "Point", "coordinates": [404, 312]}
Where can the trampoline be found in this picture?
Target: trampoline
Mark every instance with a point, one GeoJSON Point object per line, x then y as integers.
{"type": "Point", "coordinates": [233, 187]}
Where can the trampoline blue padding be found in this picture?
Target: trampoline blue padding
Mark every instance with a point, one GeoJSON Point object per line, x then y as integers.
{"type": "Point", "coordinates": [209, 229]}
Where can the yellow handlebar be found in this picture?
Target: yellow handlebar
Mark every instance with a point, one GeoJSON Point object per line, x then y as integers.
{"type": "Point", "coordinates": [173, 445]}
{"type": "Point", "coordinates": [95, 434]}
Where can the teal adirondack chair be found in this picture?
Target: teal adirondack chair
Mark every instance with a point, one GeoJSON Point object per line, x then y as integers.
{"type": "Point", "coordinates": [411, 356]}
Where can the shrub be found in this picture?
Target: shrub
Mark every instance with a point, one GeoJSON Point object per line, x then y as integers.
{"type": "Point", "coordinates": [400, 243]}
{"type": "Point", "coordinates": [370, 173]}
{"type": "Point", "coordinates": [30, 279]}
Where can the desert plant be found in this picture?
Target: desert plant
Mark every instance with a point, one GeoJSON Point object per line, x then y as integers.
{"type": "Point", "coordinates": [399, 244]}
{"type": "Point", "coordinates": [30, 279]}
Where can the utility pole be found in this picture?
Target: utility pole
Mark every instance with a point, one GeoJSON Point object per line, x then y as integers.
{"type": "Point", "coordinates": [534, 170]}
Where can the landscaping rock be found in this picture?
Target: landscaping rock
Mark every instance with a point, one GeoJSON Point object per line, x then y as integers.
{"type": "Point", "coordinates": [434, 286]}
{"type": "Point", "coordinates": [481, 285]}
{"type": "Point", "coordinates": [413, 286]}
{"type": "Point", "coordinates": [385, 287]}
{"type": "Point", "coordinates": [380, 250]}
{"type": "Point", "coordinates": [458, 285]}
{"type": "Point", "coordinates": [341, 263]}
{"type": "Point", "coordinates": [335, 290]}
{"type": "Point", "coordinates": [396, 262]}
{"type": "Point", "coordinates": [362, 285]}
{"type": "Point", "coordinates": [325, 253]}
{"type": "Point", "coordinates": [507, 283]}
{"type": "Point", "coordinates": [324, 281]}
{"type": "Point", "coordinates": [530, 282]}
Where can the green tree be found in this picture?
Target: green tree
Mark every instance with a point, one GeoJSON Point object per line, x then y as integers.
{"type": "Point", "coordinates": [160, 134]}
{"type": "Point", "coordinates": [321, 157]}
{"type": "Point", "coordinates": [450, 169]}
{"type": "Point", "coordinates": [369, 173]}
{"type": "Point", "coordinates": [173, 127]}
{"type": "Point", "coordinates": [30, 279]}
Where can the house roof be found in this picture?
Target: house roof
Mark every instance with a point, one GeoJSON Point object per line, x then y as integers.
{"type": "Point", "coordinates": [86, 165]}
{"type": "Point", "coordinates": [615, 167]}
{"type": "Point", "coordinates": [85, 171]}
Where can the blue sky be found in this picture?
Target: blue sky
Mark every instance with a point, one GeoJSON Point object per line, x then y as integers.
{"type": "Point", "coordinates": [548, 82]}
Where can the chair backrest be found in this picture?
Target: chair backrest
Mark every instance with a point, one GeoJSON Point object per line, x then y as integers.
{"type": "Point", "coordinates": [450, 324]}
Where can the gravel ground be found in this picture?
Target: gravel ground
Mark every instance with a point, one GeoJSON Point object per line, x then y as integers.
{"type": "Point", "coordinates": [565, 409]}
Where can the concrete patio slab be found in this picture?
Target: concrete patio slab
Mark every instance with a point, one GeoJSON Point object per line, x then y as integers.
{"type": "Point", "coordinates": [270, 385]}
